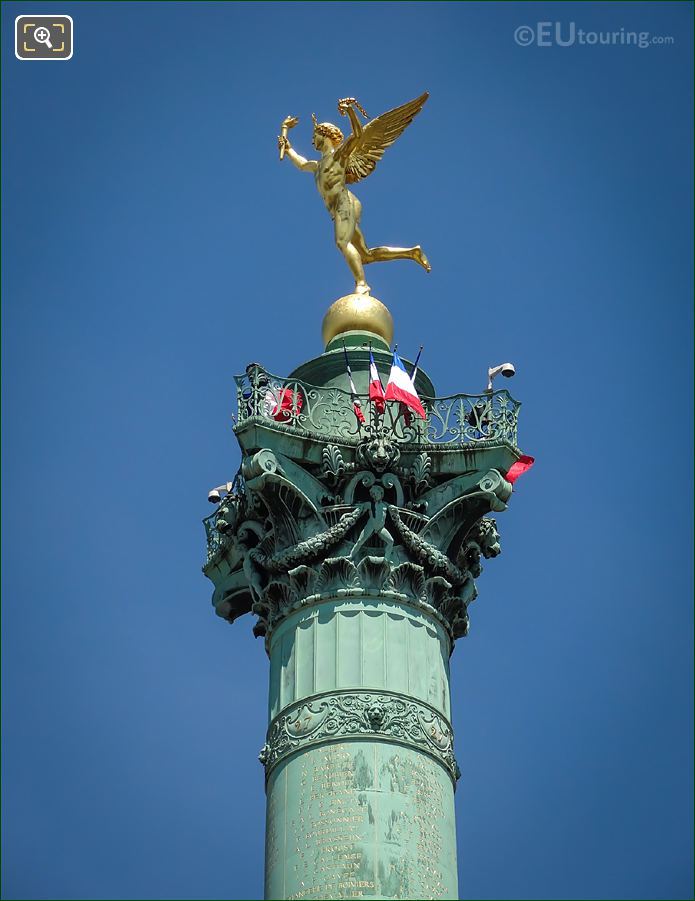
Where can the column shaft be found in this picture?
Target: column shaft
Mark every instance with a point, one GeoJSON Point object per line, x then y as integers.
{"type": "Point", "coordinates": [359, 757]}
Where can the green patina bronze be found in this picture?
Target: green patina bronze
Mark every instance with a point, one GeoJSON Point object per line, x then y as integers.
{"type": "Point", "coordinates": [357, 548]}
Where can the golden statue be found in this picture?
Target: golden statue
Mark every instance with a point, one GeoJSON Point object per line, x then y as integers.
{"type": "Point", "coordinates": [346, 161]}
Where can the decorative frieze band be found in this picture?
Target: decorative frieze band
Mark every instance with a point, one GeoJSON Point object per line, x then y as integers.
{"type": "Point", "coordinates": [383, 716]}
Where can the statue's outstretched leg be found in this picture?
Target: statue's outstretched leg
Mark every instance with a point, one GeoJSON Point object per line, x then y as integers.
{"type": "Point", "coordinates": [382, 254]}
{"type": "Point", "coordinates": [387, 538]}
{"type": "Point", "coordinates": [361, 541]}
{"type": "Point", "coordinates": [345, 227]}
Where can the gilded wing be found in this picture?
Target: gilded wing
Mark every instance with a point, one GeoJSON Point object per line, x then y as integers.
{"type": "Point", "coordinates": [363, 151]}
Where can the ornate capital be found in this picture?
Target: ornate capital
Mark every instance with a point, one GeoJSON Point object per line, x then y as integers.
{"type": "Point", "coordinates": [341, 715]}
{"type": "Point", "coordinates": [375, 519]}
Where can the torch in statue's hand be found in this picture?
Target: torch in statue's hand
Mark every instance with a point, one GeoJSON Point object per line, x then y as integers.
{"type": "Point", "coordinates": [283, 143]}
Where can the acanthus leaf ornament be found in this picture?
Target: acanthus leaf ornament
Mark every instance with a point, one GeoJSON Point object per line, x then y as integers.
{"type": "Point", "coordinates": [293, 551]}
{"type": "Point", "coordinates": [333, 465]}
{"type": "Point", "coordinates": [419, 475]}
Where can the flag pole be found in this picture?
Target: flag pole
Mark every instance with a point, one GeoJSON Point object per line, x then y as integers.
{"type": "Point", "coordinates": [371, 403]}
{"type": "Point", "coordinates": [369, 399]}
{"type": "Point", "coordinates": [394, 421]}
{"type": "Point", "coordinates": [413, 373]}
{"type": "Point", "coordinates": [353, 394]}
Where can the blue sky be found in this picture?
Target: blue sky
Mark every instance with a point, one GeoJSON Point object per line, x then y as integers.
{"type": "Point", "coordinates": [153, 245]}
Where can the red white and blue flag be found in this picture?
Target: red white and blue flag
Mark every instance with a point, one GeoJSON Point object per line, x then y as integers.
{"type": "Point", "coordinates": [376, 389]}
{"type": "Point", "coordinates": [400, 387]}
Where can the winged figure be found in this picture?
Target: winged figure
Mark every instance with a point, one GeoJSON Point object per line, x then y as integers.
{"type": "Point", "coordinates": [347, 160]}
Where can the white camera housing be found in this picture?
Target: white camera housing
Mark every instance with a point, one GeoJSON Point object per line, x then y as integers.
{"type": "Point", "coordinates": [505, 369]}
{"type": "Point", "coordinates": [216, 494]}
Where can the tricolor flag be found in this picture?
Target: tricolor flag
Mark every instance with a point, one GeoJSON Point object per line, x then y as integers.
{"type": "Point", "coordinates": [376, 389]}
{"type": "Point", "coordinates": [400, 387]}
{"type": "Point", "coordinates": [522, 465]}
{"type": "Point", "coordinates": [404, 410]}
{"type": "Point", "coordinates": [356, 405]}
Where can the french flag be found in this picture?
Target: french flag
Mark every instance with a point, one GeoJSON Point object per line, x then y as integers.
{"type": "Point", "coordinates": [400, 387]}
{"type": "Point", "coordinates": [522, 465]}
{"type": "Point", "coordinates": [376, 389]}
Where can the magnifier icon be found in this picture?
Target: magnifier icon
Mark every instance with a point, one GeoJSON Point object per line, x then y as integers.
{"type": "Point", "coordinates": [43, 36]}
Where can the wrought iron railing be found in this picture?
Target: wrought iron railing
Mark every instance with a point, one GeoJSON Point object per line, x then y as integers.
{"type": "Point", "coordinates": [328, 412]}
{"type": "Point", "coordinates": [216, 541]}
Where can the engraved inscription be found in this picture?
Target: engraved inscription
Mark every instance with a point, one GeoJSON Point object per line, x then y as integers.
{"type": "Point", "coordinates": [363, 819]}
{"type": "Point", "coordinates": [330, 821]}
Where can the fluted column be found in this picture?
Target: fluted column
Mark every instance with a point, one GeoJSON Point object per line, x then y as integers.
{"type": "Point", "coordinates": [359, 759]}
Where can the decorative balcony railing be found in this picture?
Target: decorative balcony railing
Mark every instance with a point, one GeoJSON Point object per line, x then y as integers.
{"type": "Point", "coordinates": [328, 412]}
{"type": "Point", "coordinates": [216, 541]}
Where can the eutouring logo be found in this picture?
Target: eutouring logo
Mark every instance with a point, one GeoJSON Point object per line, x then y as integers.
{"type": "Point", "coordinates": [566, 34]}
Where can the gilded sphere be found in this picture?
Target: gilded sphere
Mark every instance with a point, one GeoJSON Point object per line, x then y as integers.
{"type": "Point", "coordinates": [357, 313]}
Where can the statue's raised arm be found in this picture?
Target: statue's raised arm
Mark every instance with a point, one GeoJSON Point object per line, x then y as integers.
{"type": "Point", "coordinates": [346, 161]}
{"type": "Point", "coordinates": [366, 145]}
{"type": "Point", "coordinates": [285, 147]}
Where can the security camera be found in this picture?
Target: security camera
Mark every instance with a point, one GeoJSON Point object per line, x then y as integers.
{"type": "Point", "coordinates": [215, 496]}
{"type": "Point", "coordinates": [506, 369]}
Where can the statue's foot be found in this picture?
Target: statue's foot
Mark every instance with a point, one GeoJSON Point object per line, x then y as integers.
{"type": "Point", "coordinates": [420, 258]}
{"type": "Point", "coordinates": [362, 288]}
